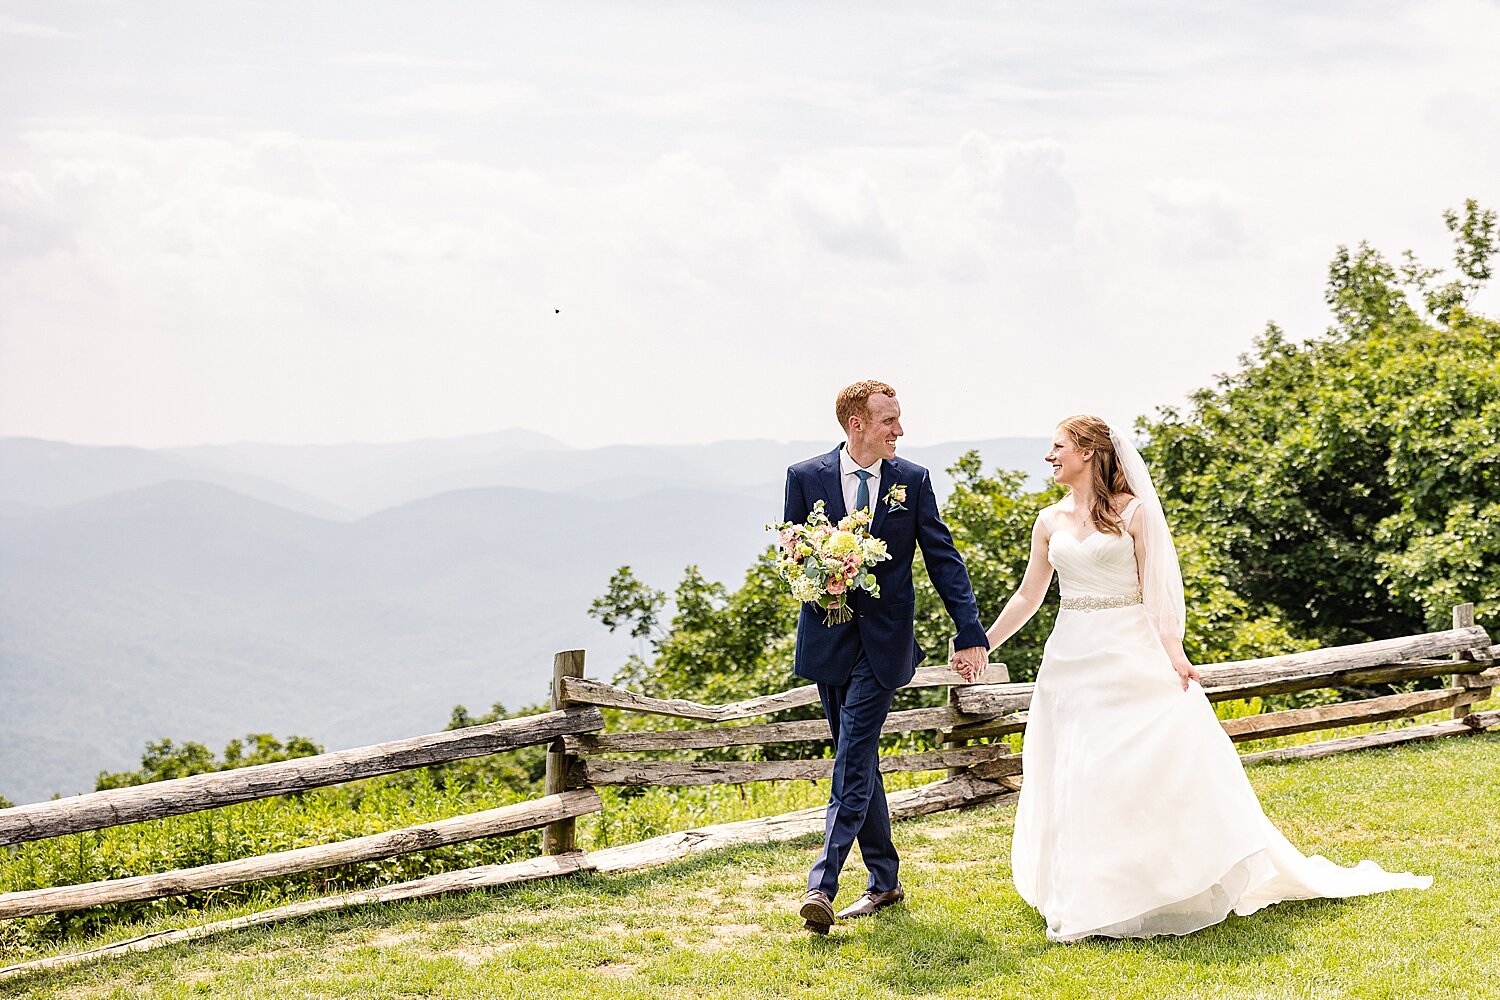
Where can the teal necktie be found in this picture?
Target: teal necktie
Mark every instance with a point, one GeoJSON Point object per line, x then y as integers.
{"type": "Point", "coordinates": [862, 495]}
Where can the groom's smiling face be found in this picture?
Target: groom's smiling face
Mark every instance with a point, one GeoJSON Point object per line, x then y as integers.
{"type": "Point", "coordinates": [873, 435]}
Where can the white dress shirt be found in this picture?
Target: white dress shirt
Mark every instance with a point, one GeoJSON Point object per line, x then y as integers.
{"type": "Point", "coordinates": [850, 481]}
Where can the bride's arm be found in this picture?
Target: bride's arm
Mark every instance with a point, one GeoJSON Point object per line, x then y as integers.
{"type": "Point", "coordinates": [1029, 596]}
{"type": "Point", "coordinates": [1171, 643]}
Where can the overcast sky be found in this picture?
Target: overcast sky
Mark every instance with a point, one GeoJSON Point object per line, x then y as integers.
{"type": "Point", "coordinates": [674, 222]}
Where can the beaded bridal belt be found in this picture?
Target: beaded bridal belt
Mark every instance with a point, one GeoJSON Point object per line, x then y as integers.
{"type": "Point", "coordinates": [1099, 602]}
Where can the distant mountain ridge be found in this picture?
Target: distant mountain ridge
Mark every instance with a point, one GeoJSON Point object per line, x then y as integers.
{"type": "Point", "coordinates": [43, 473]}
{"type": "Point", "coordinates": [348, 481]}
{"type": "Point", "coordinates": [154, 593]}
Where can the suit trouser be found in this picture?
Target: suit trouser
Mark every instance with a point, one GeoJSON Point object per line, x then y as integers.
{"type": "Point", "coordinates": [857, 809]}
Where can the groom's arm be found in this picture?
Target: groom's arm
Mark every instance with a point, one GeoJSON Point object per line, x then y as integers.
{"type": "Point", "coordinates": [796, 504]}
{"type": "Point", "coordinates": [946, 569]}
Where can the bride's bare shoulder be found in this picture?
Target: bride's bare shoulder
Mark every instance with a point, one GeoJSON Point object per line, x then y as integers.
{"type": "Point", "coordinates": [1124, 505]}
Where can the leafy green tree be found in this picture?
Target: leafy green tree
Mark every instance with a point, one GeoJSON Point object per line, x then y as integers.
{"type": "Point", "coordinates": [5, 803]}
{"type": "Point", "coordinates": [263, 748]}
{"type": "Point", "coordinates": [162, 761]}
{"type": "Point", "coordinates": [720, 645]}
{"type": "Point", "coordinates": [630, 601]}
{"type": "Point", "coordinates": [1349, 486]}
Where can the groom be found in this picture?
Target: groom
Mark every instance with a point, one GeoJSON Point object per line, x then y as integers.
{"type": "Point", "coordinates": [859, 664]}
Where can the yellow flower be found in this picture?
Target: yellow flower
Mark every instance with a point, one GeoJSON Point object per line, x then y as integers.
{"type": "Point", "coordinates": [843, 543]}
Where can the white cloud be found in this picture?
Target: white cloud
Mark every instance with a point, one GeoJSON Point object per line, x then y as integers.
{"type": "Point", "coordinates": [846, 215]}
{"type": "Point", "coordinates": [401, 60]}
{"type": "Point", "coordinates": [1204, 218]}
{"type": "Point", "coordinates": [1020, 187]}
{"type": "Point", "coordinates": [458, 99]}
{"type": "Point", "coordinates": [27, 29]}
{"type": "Point", "coordinates": [1012, 213]}
{"type": "Point", "coordinates": [30, 223]}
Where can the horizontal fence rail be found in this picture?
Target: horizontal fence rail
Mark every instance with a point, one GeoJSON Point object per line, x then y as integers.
{"type": "Point", "coordinates": [581, 690]}
{"type": "Point", "coordinates": [740, 772]}
{"type": "Point", "coordinates": [1344, 713]}
{"type": "Point", "coordinates": [936, 796]}
{"type": "Point", "coordinates": [118, 806]}
{"type": "Point", "coordinates": [1477, 722]}
{"type": "Point", "coordinates": [716, 737]}
{"type": "Point", "coordinates": [490, 823]}
{"type": "Point", "coordinates": [1382, 662]}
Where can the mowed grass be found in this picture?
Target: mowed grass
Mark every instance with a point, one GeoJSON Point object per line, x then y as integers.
{"type": "Point", "coordinates": [722, 925]}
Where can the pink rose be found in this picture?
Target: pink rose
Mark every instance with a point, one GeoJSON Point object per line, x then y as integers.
{"type": "Point", "coordinates": [836, 585]}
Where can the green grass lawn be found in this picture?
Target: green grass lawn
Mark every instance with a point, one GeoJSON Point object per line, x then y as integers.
{"type": "Point", "coordinates": [722, 925]}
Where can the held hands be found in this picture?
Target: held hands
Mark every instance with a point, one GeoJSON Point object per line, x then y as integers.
{"type": "Point", "coordinates": [970, 663]}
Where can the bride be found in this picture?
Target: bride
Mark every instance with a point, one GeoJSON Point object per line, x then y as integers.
{"type": "Point", "coordinates": [1135, 816]}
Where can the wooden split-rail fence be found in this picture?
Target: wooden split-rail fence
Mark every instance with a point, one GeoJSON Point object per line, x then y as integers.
{"type": "Point", "coordinates": [579, 761]}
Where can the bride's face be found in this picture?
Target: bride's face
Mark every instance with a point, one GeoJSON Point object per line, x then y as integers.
{"type": "Point", "coordinates": [1070, 464]}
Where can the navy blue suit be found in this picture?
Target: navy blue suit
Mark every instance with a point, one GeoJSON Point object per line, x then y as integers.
{"type": "Point", "coordinates": [859, 664]}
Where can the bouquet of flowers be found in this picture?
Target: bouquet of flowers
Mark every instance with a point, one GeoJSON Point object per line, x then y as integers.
{"type": "Point", "coordinates": [823, 562]}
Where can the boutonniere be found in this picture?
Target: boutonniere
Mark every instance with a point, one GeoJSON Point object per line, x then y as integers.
{"type": "Point", "coordinates": [895, 497]}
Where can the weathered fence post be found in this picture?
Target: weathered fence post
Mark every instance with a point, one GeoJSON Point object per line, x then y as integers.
{"type": "Point", "coordinates": [947, 735]}
{"type": "Point", "coordinates": [1463, 617]}
{"type": "Point", "coordinates": [954, 772]}
{"type": "Point", "coordinates": [557, 838]}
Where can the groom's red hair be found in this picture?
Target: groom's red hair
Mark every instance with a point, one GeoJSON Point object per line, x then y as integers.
{"type": "Point", "coordinates": [854, 400]}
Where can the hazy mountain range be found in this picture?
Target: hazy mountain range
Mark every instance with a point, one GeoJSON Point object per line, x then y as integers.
{"type": "Point", "coordinates": [349, 593]}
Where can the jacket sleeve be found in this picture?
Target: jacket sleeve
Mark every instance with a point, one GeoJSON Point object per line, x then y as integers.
{"type": "Point", "coordinates": [796, 509]}
{"type": "Point", "coordinates": [945, 567]}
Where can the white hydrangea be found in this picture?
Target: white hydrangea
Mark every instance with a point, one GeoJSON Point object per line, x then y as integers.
{"type": "Point", "coordinates": [804, 589]}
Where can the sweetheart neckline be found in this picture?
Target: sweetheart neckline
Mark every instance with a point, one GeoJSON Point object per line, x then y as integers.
{"type": "Point", "coordinates": [1081, 541]}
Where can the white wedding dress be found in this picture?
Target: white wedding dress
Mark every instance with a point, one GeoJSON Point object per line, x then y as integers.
{"type": "Point", "coordinates": [1135, 816]}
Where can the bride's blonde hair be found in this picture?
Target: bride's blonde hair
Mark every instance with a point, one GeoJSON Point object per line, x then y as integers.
{"type": "Point", "coordinates": [1092, 434]}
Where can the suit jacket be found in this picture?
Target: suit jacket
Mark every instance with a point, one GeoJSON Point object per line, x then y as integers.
{"type": "Point", "coordinates": [882, 628]}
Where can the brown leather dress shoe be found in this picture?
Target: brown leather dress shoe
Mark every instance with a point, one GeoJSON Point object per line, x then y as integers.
{"type": "Point", "coordinates": [871, 903]}
{"type": "Point", "coordinates": [817, 911]}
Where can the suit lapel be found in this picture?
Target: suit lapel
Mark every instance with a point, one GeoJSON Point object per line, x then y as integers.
{"type": "Point", "coordinates": [888, 476]}
{"type": "Point", "coordinates": [833, 487]}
